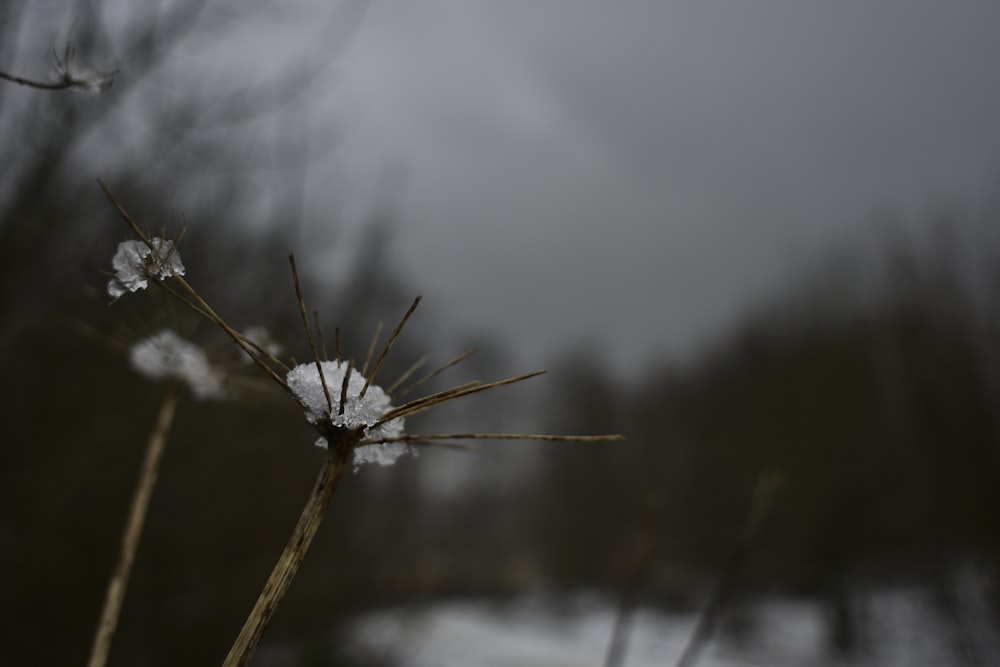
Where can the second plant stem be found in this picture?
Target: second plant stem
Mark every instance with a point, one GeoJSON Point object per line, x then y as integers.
{"type": "Point", "coordinates": [133, 529]}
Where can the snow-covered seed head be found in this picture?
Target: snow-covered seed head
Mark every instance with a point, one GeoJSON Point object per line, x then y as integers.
{"type": "Point", "coordinates": [360, 412]}
{"type": "Point", "coordinates": [166, 355]}
{"type": "Point", "coordinates": [135, 264]}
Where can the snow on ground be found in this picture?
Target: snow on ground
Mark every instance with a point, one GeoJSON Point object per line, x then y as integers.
{"type": "Point", "coordinates": [549, 632]}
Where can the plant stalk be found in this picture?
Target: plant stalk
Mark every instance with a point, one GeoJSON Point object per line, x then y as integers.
{"type": "Point", "coordinates": [243, 649]}
{"type": "Point", "coordinates": [115, 594]}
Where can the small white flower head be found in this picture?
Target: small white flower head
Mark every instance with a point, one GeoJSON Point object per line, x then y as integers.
{"type": "Point", "coordinates": [135, 264]}
{"type": "Point", "coordinates": [166, 355]}
{"type": "Point", "coordinates": [359, 412]}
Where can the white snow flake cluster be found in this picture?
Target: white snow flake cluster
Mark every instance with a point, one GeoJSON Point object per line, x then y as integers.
{"type": "Point", "coordinates": [305, 383]}
{"type": "Point", "coordinates": [166, 355]}
{"type": "Point", "coordinates": [135, 264]}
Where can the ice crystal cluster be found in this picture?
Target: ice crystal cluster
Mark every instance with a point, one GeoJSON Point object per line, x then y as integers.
{"type": "Point", "coordinates": [165, 355]}
{"type": "Point", "coordinates": [135, 264]}
{"type": "Point", "coordinates": [359, 411]}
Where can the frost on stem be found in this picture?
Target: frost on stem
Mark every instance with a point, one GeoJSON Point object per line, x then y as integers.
{"type": "Point", "coordinates": [135, 264]}
{"type": "Point", "coordinates": [166, 355]}
{"type": "Point", "coordinates": [359, 411]}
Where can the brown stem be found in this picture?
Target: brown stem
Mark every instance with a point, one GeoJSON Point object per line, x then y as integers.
{"type": "Point", "coordinates": [115, 594]}
{"type": "Point", "coordinates": [62, 84]}
{"type": "Point", "coordinates": [288, 564]}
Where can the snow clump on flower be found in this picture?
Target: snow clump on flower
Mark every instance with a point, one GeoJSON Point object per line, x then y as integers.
{"type": "Point", "coordinates": [135, 264]}
{"type": "Point", "coordinates": [359, 412]}
{"type": "Point", "coordinates": [166, 355]}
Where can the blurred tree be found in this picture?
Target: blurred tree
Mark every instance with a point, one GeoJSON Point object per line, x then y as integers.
{"type": "Point", "coordinates": [870, 388]}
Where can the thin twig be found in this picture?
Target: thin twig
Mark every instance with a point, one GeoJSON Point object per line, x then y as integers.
{"type": "Point", "coordinates": [198, 310]}
{"type": "Point", "coordinates": [411, 409]}
{"type": "Point", "coordinates": [426, 401]}
{"type": "Point", "coordinates": [414, 367]}
{"type": "Point", "coordinates": [31, 83]}
{"type": "Point", "coordinates": [388, 346]}
{"type": "Point", "coordinates": [446, 444]}
{"type": "Point", "coordinates": [343, 388]}
{"type": "Point", "coordinates": [235, 335]}
{"type": "Point", "coordinates": [414, 437]}
{"type": "Point", "coordinates": [115, 594]}
{"type": "Point", "coordinates": [262, 352]}
{"type": "Point", "coordinates": [319, 334]}
{"type": "Point", "coordinates": [66, 80]}
{"type": "Point", "coordinates": [136, 229]}
{"type": "Point", "coordinates": [309, 335]}
{"type": "Point", "coordinates": [371, 349]}
{"type": "Point", "coordinates": [462, 357]}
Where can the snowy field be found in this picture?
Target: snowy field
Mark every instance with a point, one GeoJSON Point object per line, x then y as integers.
{"type": "Point", "coordinates": [900, 629]}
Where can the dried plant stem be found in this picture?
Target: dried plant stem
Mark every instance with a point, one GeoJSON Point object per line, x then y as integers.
{"type": "Point", "coordinates": [32, 83]}
{"type": "Point", "coordinates": [388, 346]}
{"type": "Point", "coordinates": [371, 349]}
{"type": "Point", "coordinates": [288, 564]}
{"type": "Point", "coordinates": [133, 530]}
{"type": "Point", "coordinates": [392, 390]}
{"type": "Point", "coordinates": [416, 438]}
{"type": "Point", "coordinates": [414, 367]}
{"type": "Point", "coordinates": [475, 387]}
{"type": "Point", "coordinates": [305, 322]}
{"type": "Point", "coordinates": [235, 335]}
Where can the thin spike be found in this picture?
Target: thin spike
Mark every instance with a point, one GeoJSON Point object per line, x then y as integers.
{"type": "Point", "coordinates": [336, 343]}
{"type": "Point", "coordinates": [125, 216]}
{"type": "Point", "coordinates": [371, 349]}
{"type": "Point", "coordinates": [343, 388]}
{"type": "Point", "coordinates": [501, 436]}
{"type": "Point", "coordinates": [193, 306]}
{"type": "Point", "coordinates": [406, 374]}
{"type": "Point", "coordinates": [460, 358]}
{"type": "Point", "coordinates": [404, 410]}
{"type": "Point", "coordinates": [388, 346]}
{"type": "Point", "coordinates": [420, 403]}
{"type": "Point", "coordinates": [319, 333]}
{"type": "Point", "coordinates": [203, 309]}
{"type": "Point", "coordinates": [305, 322]}
{"type": "Point", "coordinates": [175, 245]}
{"type": "Point", "coordinates": [264, 353]}
{"type": "Point", "coordinates": [464, 446]}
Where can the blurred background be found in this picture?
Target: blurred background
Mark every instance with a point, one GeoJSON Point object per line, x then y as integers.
{"type": "Point", "coordinates": [760, 241]}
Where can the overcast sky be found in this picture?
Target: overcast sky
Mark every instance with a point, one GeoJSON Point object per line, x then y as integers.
{"type": "Point", "coordinates": [639, 173]}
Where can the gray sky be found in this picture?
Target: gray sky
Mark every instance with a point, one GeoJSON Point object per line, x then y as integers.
{"type": "Point", "coordinates": [639, 173]}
